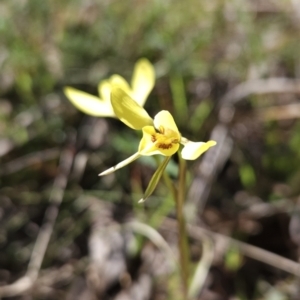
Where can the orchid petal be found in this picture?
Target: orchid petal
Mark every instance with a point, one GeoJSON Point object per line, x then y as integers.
{"type": "Point", "coordinates": [89, 104]}
{"type": "Point", "coordinates": [128, 111]}
{"type": "Point", "coordinates": [143, 80]}
{"type": "Point", "coordinates": [121, 164]}
{"type": "Point", "coordinates": [104, 89]}
{"type": "Point", "coordinates": [117, 80]}
{"type": "Point", "coordinates": [193, 150]}
{"type": "Point", "coordinates": [105, 86]}
{"type": "Point", "coordinates": [165, 120]}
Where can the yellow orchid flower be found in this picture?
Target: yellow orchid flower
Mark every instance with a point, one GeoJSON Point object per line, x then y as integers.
{"type": "Point", "coordinates": [160, 135]}
{"type": "Point", "coordinates": [142, 83]}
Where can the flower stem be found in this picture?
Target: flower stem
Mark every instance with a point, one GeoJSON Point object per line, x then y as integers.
{"type": "Point", "coordinates": [182, 233]}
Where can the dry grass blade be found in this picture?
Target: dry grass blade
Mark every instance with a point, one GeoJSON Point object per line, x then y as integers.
{"type": "Point", "coordinates": [261, 86]}
{"type": "Point", "coordinates": [280, 112]}
{"type": "Point", "coordinates": [28, 160]}
{"type": "Point", "coordinates": [254, 252]}
{"type": "Point", "coordinates": [203, 267]}
{"type": "Point", "coordinates": [154, 236]}
{"type": "Point", "coordinates": [212, 161]}
{"type": "Point", "coordinates": [43, 238]}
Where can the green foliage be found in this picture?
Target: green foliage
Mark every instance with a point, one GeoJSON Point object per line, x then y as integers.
{"type": "Point", "coordinates": [233, 259]}
{"type": "Point", "coordinates": [247, 175]}
{"type": "Point", "coordinates": [46, 45]}
{"type": "Point", "coordinates": [199, 115]}
{"type": "Point", "coordinates": [179, 98]}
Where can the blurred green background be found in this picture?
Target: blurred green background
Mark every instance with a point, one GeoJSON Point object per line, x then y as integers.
{"type": "Point", "coordinates": [201, 51]}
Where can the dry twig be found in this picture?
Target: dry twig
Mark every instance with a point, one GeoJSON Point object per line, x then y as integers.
{"type": "Point", "coordinates": [26, 282]}
{"type": "Point", "coordinates": [267, 257]}
{"type": "Point", "coordinates": [214, 159]}
{"type": "Point", "coordinates": [260, 87]}
{"type": "Point", "coordinates": [28, 160]}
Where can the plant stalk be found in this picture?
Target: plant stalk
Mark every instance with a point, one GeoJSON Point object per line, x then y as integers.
{"type": "Point", "coordinates": [182, 231]}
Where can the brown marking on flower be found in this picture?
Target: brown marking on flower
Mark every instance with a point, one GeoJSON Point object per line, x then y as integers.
{"type": "Point", "coordinates": [153, 138]}
{"type": "Point", "coordinates": [165, 146]}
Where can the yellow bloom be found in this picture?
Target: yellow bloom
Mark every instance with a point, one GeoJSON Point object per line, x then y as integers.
{"type": "Point", "coordinates": [142, 83]}
{"type": "Point", "coordinates": [160, 135]}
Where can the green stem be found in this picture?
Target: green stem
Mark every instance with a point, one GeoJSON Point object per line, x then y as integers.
{"type": "Point", "coordinates": [182, 238]}
{"type": "Point", "coordinates": [179, 198]}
